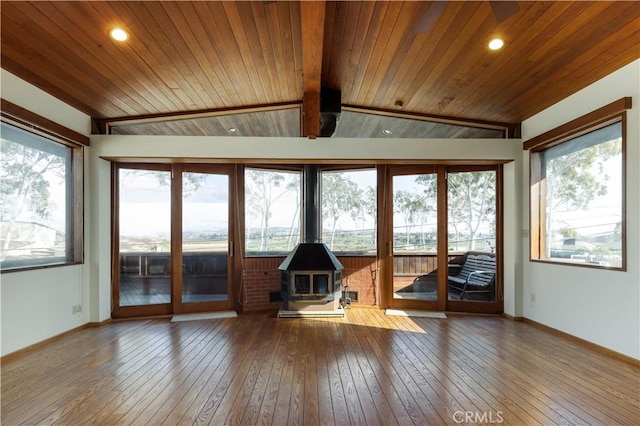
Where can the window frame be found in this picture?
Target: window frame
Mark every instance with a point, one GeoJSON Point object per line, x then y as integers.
{"type": "Point", "coordinates": [612, 113]}
{"type": "Point", "coordinates": [25, 120]}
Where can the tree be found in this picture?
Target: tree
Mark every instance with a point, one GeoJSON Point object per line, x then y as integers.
{"type": "Point", "coordinates": [569, 233]}
{"type": "Point", "coordinates": [340, 196]}
{"type": "Point", "coordinates": [369, 207]}
{"type": "Point", "coordinates": [294, 235]}
{"type": "Point", "coordinates": [370, 202]}
{"type": "Point", "coordinates": [263, 188]}
{"type": "Point", "coordinates": [575, 179]}
{"type": "Point", "coordinates": [410, 205]}
{"type": "Point", "coordinates": [471, 201]}
{"type": "Point", "coordinates": [25, 176]}
{"type": "Point", "coordinates": [429, 182]}
{"type": "Point", "coordinates": [191, 182]}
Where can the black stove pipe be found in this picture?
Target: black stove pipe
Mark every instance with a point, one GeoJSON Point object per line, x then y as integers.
{"type": "Point", "coordinates": [310, 205]}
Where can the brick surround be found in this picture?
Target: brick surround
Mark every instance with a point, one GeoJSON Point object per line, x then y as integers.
{"type": "Point", "coordinates": [261, 276]}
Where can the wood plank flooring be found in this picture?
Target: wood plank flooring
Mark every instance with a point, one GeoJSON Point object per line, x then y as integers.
{"type": "Point", "coordinates": [364, 369]}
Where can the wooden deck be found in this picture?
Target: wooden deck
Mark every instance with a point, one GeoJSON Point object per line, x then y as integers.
{"type": "Point", "coordinates": [366, 369]}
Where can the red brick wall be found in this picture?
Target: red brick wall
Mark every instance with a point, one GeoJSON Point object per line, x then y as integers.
{"type": "Point", "coordinates": [261, 276]}
{"type": "Point", "coordinates": [360, 273]}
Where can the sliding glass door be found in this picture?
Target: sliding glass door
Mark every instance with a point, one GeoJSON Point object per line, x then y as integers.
{"type": "Point", "coordinates": [416, 215]}
{"type": "Point", "coordinates": [473, 234]}
{"type": "Point", "coordinates": [415, 237]}
{"type": "Point", "coordinates": [172, 228]}
{"type": "Point", "coordinates": [442, 229]}
{"type": "Point", "coordinates": [205, 241]}
{"type": "Point", "coordinates": [144, 238]}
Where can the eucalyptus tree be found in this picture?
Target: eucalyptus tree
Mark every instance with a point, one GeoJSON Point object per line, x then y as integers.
{"type": "Point", "coordinates": [411, 206]}
{"type": "Point", "coordinates": [26, 174]}
{"type": "Point", "coordinates": [263, 188]}
{"type": "Point", "coordinates": [573, 179]}
{"type": "Point", "coordinates": [472, 203]}
{"type": "Point", "coordinates": [340, 196]}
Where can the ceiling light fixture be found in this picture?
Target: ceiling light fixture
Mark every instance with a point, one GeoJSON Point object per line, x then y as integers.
{"type": "Point", "coordinates": [119, 34]}
{"type": "Point", "coordinates": [496, 44]}
{"type": "Point", "coordinates": [232, 130]}
{"type": "Point", "coordinates": [387, 132]}
{"type": "Point", "coordinates": [398, 104]}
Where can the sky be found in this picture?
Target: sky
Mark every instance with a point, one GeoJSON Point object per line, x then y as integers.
{"type": "Point", "coordinates": [207, 210]}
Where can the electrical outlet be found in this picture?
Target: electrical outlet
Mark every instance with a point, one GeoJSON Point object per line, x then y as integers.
{"type": "Point", "coordinates": [76, 310]}
{"type": "Point", "coordinates": [533, 298]}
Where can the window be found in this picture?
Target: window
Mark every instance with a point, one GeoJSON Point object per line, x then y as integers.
{"type": "Point", "coordinates": [415, 213]}
{"type": "Point", "coordinates": [577, 197]}
{"type": "Point", "coordinates": [472, 211]}
{"type": "Point", "coordinates": [349, 210]}
{"type": "Point", "coordinates": [272, 211]}
{"type": "Point", "coordinates": [41, 209]}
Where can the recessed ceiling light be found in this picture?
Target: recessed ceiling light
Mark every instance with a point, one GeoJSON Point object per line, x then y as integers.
{"type": "Point", "coordinates": [119, 34]}
{"type": "Point", "coordinates": [496, 44]}
{"type": "Point", "coordinates": [387, 132]}
{"type": "Point", "coordinates": [232, 130]}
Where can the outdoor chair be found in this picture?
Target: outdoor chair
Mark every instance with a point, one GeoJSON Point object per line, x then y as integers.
{"type": "Point", "coordinates": [477, 275]}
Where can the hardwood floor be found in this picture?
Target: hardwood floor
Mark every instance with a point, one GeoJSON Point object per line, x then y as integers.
{"type": "Point", "coordinates": [367, 369]}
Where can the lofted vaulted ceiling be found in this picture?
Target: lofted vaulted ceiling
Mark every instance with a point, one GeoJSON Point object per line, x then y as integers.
{"type": "Point", "coordinates": [208, 67]}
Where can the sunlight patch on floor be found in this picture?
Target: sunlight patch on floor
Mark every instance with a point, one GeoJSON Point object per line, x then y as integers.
{"type": "Point", "coordinates": [204, 316]}
{"type": "Point", "coordinates": [415, 313]}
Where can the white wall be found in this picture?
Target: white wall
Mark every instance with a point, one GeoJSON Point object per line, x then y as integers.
{"type": "Point", "coordinates": [99, 264]}
{"type": "Point", "coordinates": [512, 228]}
{"type": "Point", "coordinates": [36, 305]}
{"type": "Point", "coordinates": [28, 96]}
{"type": "Point", "coordinates": [599, 306]}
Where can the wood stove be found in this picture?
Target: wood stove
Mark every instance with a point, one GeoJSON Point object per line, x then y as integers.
{"type": "Point", "coordinates": [311, 282]}
{"type": "Point", "coordinates": [311, 275]}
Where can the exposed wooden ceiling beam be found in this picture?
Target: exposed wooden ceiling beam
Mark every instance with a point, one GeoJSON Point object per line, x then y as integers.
{"type": "Point", "coordinates": [312, 26]}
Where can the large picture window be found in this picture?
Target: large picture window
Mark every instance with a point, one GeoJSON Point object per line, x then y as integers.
{"type": "Point", "coordinates": [41, 200]}
{"type": "Point", "coordinates": [349, 210]}
{"type": "Point", "coordinates": [272, 211]}
{"type": "Point", "coordinates": [577, 198]}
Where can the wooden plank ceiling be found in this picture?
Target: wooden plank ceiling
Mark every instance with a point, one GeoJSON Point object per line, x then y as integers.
{"type": "Point", "coordinates": [427, 59]}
